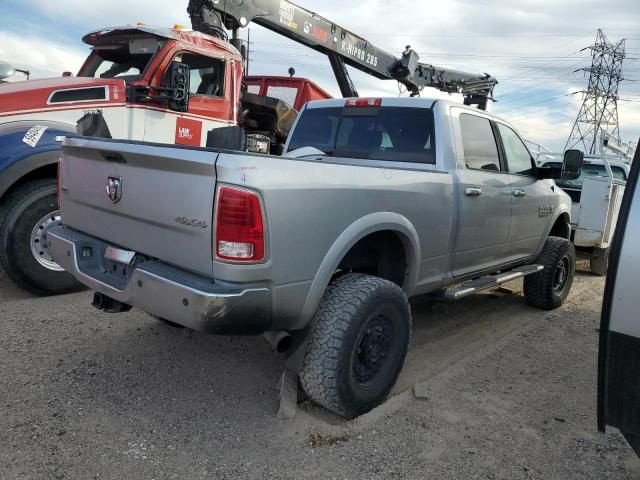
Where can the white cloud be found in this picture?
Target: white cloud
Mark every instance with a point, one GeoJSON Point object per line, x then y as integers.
{"type": "Point", "coordinates": [629, 113]}
{"type": "Point", "coordinates": [95, 15]}
{"type": "Point", "coordinates": [38, 55]}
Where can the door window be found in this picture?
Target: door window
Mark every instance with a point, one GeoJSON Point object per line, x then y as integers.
{"type": "Point", "coordinates": [207, 74]}
{"type": "Point", "coordinates": [480, 149]}
{"type": "Point", "coordinates": [518, 157]}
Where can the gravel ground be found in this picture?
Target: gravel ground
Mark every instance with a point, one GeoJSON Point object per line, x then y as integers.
{"type": "Point", "coordinates": [506, 392]}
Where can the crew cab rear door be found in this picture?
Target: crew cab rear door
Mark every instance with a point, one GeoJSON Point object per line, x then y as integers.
{"type": "Point", "coordinates": [619, 362]}
{"type": "Point", "coordinates": [484, 197]}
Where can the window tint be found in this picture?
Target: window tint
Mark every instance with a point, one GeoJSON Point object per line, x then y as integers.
{"type": "Point", "coordinates": [518, 157]}
{"type": "Point", "coordinates": [386, 133]}
{"type": "Point", "coordinates": [207, 74]}
{"type": "Point", "coordinates": [480, 149]}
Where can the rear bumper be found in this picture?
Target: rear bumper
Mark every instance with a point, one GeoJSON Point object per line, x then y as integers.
{"type": "Point", "coordinates": [163, 290]}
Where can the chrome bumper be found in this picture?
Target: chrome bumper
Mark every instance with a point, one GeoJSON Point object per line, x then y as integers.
{"type": "Point", "coordinates": [187, 299]}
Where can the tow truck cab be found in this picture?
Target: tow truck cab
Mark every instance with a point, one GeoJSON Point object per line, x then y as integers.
{"type": "Point", "coordinates": [126, 84]}
{"type": "Point", "coordinates": [128, 68]}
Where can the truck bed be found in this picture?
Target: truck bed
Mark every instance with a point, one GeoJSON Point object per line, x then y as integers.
{"type": "Point", "coordinates": [166, 208]}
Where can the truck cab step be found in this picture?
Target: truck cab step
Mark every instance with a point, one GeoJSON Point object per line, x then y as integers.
{"type": "Point", "coordinates": [490, 281]}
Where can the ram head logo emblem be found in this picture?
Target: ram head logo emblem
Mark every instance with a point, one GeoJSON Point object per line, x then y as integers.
{"type": "Point", "coordinates": [114, 189]}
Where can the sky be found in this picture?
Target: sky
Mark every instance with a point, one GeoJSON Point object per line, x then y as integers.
{"type": "Point", "coordinates": [533, 47]}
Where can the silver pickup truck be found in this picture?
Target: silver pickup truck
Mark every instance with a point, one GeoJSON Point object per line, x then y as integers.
{"type": "Point", "coordinates": [374, 201]}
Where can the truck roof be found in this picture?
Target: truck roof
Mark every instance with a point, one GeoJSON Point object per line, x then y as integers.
{"type": "Point", "coordinates": [408, 102]}
{"type": "Point", "coordinates": [177, 33]}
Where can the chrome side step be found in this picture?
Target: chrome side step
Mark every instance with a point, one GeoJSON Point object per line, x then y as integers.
{"type": "Point", "coordinates": [490, 281]}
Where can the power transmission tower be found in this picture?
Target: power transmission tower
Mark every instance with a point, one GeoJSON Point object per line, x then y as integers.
{"type": "Point", "coordinates": [599, 111]}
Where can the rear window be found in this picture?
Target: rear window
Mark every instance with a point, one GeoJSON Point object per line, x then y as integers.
{"type": "Point", "coordinates": [375, 133]}
{"type": "Point", "coordinates": [588, 170]}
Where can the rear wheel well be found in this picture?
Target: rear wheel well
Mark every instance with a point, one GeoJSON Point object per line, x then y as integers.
{"type": "Point", "coordinates": [562, 227]}
{"type": "Point", "coordinates": [46, 171]}
{"type": "Point", "coordinates": [381, 254]}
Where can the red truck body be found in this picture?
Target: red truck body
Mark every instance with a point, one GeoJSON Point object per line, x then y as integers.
{"type": "Point", "coordinates": [121, 81]}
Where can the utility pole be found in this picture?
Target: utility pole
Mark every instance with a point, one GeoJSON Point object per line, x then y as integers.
{"type": "Point", "coordinates": [599, 111]}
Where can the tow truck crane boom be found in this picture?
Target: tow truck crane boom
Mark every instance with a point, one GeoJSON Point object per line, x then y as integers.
{"type": "Point", "coordinates": [342, 47]}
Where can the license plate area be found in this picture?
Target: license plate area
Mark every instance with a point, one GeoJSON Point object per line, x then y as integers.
{"type": "Point", "coordinates": [118, 266]}
{"type": "Point", "coordinates": [111, 265]}
{"type": "Point", "coordinates": [117, 255]}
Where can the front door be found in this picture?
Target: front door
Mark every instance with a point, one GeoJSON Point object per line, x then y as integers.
{"type": "Point", "coordinates": [534, 201]}
{"type": "Point", "coordinates": [619, 365]}
{"type": "Point", "coordinates": [209, 105]}
{"type": "Point", "coordinates": [484, 198]}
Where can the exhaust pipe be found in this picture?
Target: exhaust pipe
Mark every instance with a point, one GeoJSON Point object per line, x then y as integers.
{"type": "Point", "coordinates": [108, 304]}
{"type": "Point", "coordinates": [281, 341]}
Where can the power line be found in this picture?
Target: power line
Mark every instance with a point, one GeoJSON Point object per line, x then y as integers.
{"type": "Point", "coordinates": [537, 112]}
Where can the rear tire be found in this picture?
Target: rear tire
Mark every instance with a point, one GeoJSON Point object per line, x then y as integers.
{"type": "Point", "coordinates": [600, 263]}
{"type": "Point", "coordinates": [359, 340]}
{"type": "Point", "coordinates": [549, 288]}
{"type": "Point", "coordinates": [27, 208]}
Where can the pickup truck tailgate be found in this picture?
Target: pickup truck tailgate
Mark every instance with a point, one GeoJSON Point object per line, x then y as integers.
{"type": "Point", "coordinates": [155, 200]}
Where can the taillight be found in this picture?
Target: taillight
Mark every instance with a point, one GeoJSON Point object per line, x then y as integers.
{"type": "Point", "coordinates": [239, 227]}
{"type": "Point", "coordinates": [363, 102]}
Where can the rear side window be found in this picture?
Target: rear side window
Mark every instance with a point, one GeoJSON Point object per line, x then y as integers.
{"type": "Point", "coordinates": [375, 133]}
{"type": "Point", "coordinates": [480, 148]}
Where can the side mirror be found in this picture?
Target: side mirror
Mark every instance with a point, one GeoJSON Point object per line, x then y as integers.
{"type": "Point", "coordinates": [179, 80]}
{"type": "Point", "coordinates": [572, 164]}
{"type": "Point", "coordinates": [6, 70]}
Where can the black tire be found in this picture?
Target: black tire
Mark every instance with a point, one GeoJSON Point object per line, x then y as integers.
{"type": "Point", "coordinates": [549, 288]}
{"type": "Point", "coordinates": [359, 340]}
{"type": "Point", "coordinates": [23, 209]}
{"type": "Point", "coordinates": [600, 263]}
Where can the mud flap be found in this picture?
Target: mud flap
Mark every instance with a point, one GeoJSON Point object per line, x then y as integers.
{"type": "Point", "coordinates": [619, 357]}
{"type": "Point", "coordinates": [93, 125]}
{"type": "Point", "coordinates": [289, 384]}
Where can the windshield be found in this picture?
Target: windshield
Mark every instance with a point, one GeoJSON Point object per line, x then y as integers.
{"type": "Point", "coordinates": [376, 133]}
{"type": "Point", "coordinates": [127, 61]}
{"type": "Point", "coordinates": [588, 170]}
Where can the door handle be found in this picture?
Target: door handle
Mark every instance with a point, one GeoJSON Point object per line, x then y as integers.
{"type": "Point", "coordinates": [473, 192]}
{"type": "Point", "coordinates": [519, 193]}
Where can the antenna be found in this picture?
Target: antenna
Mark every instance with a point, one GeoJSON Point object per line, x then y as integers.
{"type": "Point", "coordinates": [599, 111]}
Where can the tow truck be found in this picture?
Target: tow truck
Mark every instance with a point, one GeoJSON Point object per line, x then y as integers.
{"type": "Point", "coordinates": [174, 86]}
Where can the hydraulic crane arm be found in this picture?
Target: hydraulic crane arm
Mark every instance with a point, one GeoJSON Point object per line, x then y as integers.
{"type": "Point", "coordinates": [341, 46]}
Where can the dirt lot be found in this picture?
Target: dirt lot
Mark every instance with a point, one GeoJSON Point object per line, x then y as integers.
{"type": "Point", "coordinates": [510, 394]}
